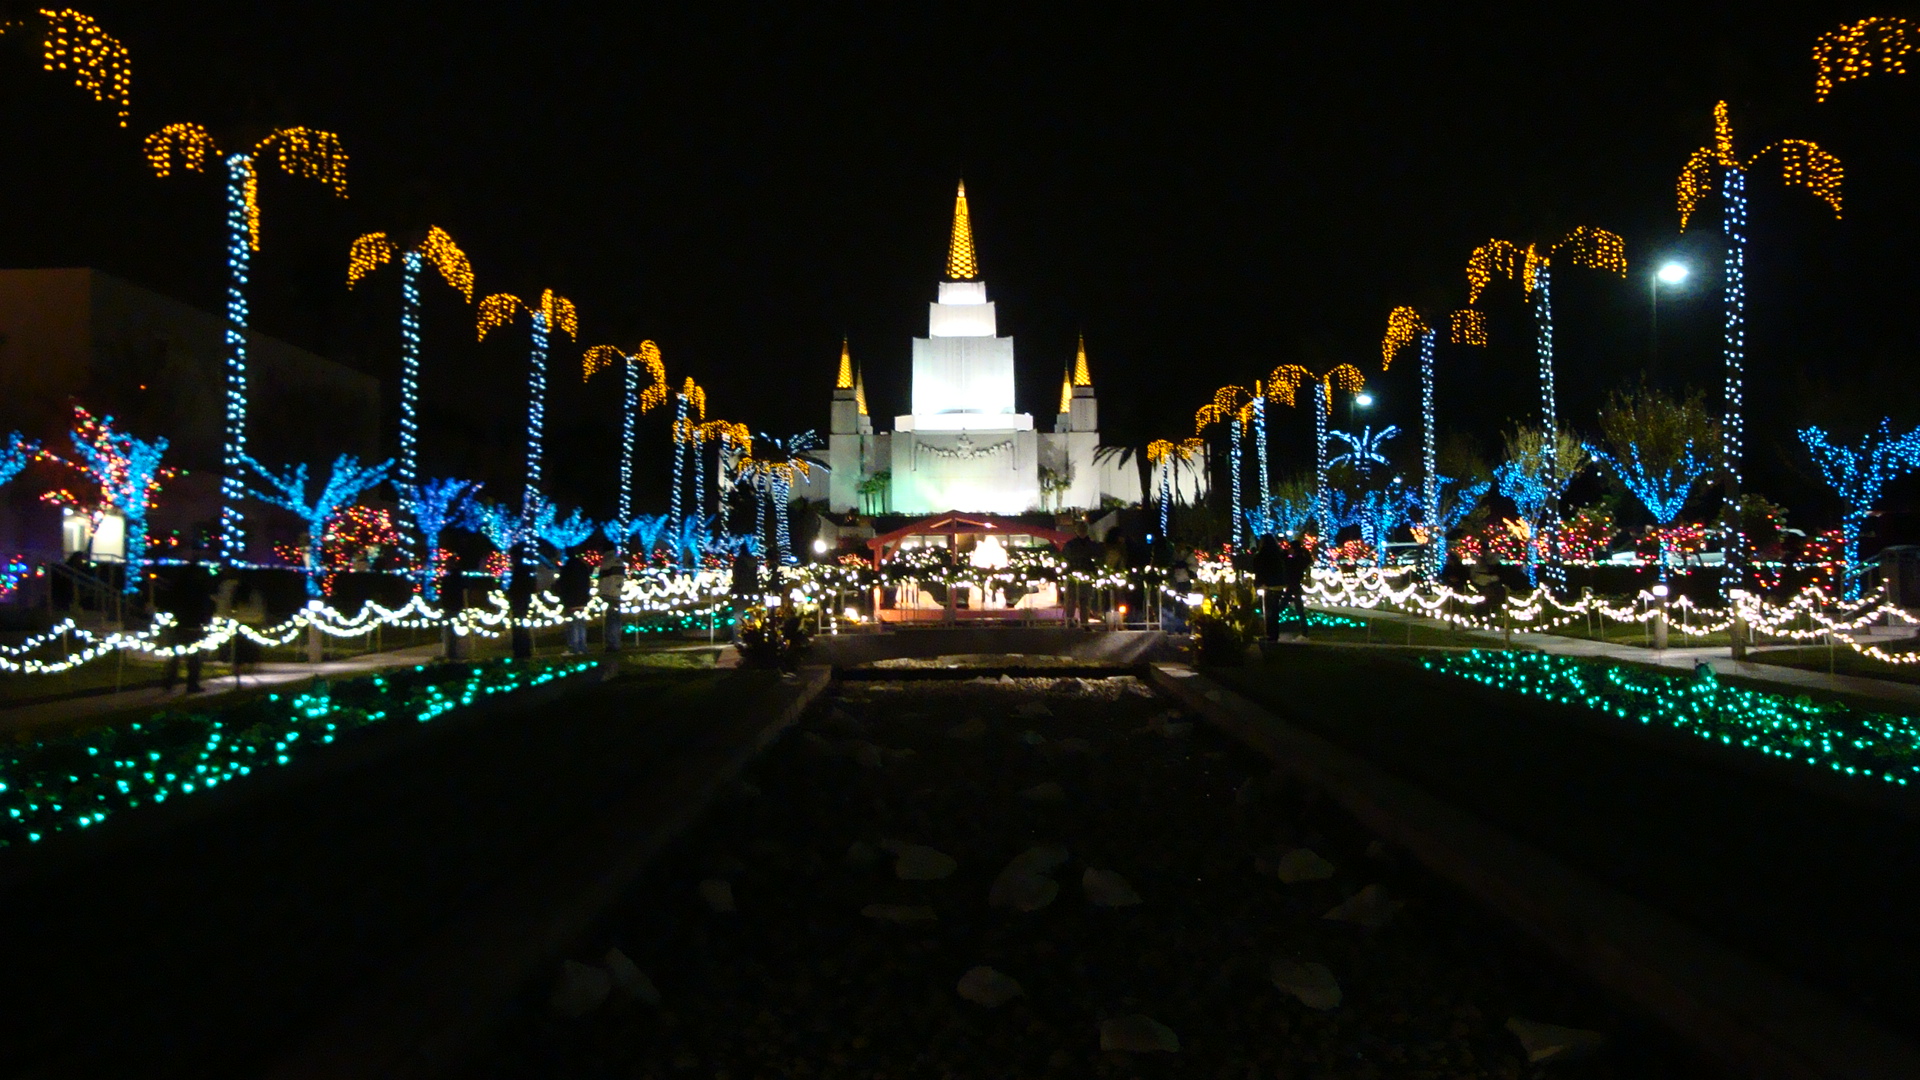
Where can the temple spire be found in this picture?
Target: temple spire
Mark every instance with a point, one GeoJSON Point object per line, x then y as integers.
{"type": "Point", "coordinates": [860, 391]}
{"type": "Point", "coordinates": [1081, 376]}
{"type": "Point", "coordinates": [961, 265]}
{"type": "Point", "coordinates": [844, 381]}
{"type": "Point", "coordinates": [1066, 391]}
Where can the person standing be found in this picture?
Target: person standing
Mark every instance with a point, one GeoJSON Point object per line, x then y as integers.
{"type": "Point", "coordinates": [453, 601]}
{"type": "Point", "coordinates": [1296, 563]}
{"type": "Point", "coordinates": [745, 592]}
{"type": "Point", "coordinates": [519, 605]}
{"type": "Point", "coordinates": [1082, 558]}
{"type": "Point", "coordinates": [1270, 576]}
{"type": "Point", "coordinates": [190, 600]}
{"type": "Point", "coordinates": [612, 587]}
{"type": "Point", "coordinates": [575, 589]}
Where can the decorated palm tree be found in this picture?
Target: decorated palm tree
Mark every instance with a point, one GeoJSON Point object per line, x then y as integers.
{"type": "Point", "coordinates": [771, 468]}
{"type": "Point", "coordinates": [74, 43]}
{"type": "Point", "coordinates": [1802, 164]}
{"type": "Point", "coordinates": [555, 313]}
{"type": "Point", "coordinates": [304, 152]}
{"type": "Point", "coordinates": [369, 253]}
{"type": "Point", "coordinates": [1230, 405]}
{"type": "Point", "coordinates": [1284, 384]}
{"type": "Point", "coordinates": [1404, 327]}
{"type": "Point", "coordinates": [689, 412]}
{"type": "Point", "coordinates": [637, 399]}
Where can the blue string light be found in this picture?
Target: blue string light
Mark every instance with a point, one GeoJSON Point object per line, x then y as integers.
{"type": "Point", "coordinates": [680, 426]}
{"type": "Point", "coordinates": [1239, 516]}
{"type": "Point", "coordinates": [435, 506]}
{"type": "Point", "coordinates": [240, 179]}
{"type": "Point", "coordinates": [1663, 493]}
{"type": "Point", "coordinates": [1429, 476]}
{"type": "Point", "coordinates": [1733, 206]}
{"type": "Point", "coordinates": [536, 401]}
{"type": "Point", "coordinates": [288, 491]}
{"type": "Point", "coordinates": [409, 464]}
{"type": "Point", "coordinates": [631, 407]}
{"type": "Point", "coordinates": [1259, 448]}
{"type": "Point", "coordinates": [1546, 525]}
{"type": "Point", "coordinates": [1321, 511]}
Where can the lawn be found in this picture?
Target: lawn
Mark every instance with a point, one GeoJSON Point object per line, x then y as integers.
{"type": "Point", "coordinates": [1796, 879]}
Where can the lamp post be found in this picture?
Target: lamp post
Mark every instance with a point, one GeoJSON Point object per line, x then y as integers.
{"type": "Point", "coordinates": [1670, 273]}
{"type": "Point", "coordinates": [1361, 400]}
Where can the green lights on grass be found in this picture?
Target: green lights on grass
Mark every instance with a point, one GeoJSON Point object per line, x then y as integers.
{"type": "Point", "coordinates": [78, 781]}
{"type": "Point", "coordinates": [1827, 735]}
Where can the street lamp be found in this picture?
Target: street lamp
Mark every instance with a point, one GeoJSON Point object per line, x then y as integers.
{"type": "Point", "coordinates": [1670, 273]}
{"type": "Point", "coordinates": [1361, 400]}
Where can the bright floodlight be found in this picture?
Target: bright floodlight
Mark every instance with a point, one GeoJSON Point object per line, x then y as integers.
{"type": "Point", "coordinates": [820, 546]}
{"type": "Point", "coordinates": [1364, 400]}
{"type": "Point", "coordinates": [1672, 273]}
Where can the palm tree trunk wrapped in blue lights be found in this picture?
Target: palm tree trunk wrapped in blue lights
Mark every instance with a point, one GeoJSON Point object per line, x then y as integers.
{"type": "Point", "coordinates": [1858, 474]}
{"type": "Point", "coordinates": [302, 152]}
{"type": "Point", "coordinates": [1284, 385]}
{"type": "Point", "coordinates": [554, 314]}
{"type": "Point", "coordinates": [637, 399]}
{"type": "Point", "coordinates": [1802, 164]}
{"type": "Point", "coordinates": [1229, 406]}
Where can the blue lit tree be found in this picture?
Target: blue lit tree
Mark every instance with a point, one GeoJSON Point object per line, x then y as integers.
{"type": "Point", "coordinates": [128, 472]}
{"type": "Point", "coordinates": [435, 506]}
{"type": "Point", "coordinates": [1538, 468]}
{"type": "Point", "coordinates": [16, 453]}
{"type": "Point", "coordinates": [287, 489]}
{"type": "Point", "coordinates": [508, 529]}
{"type": "Point", "coordinates": [562, 534]}
{"type": "Point", "coordinates": [300, 151]}
{"type": "Point", "coordinates": [1363, 450]}
{"type": "Point", "coordinates": [1288, 511]}
{"type": "Point", "coordinates": [1453, 500]}
{"type": "Point", "coordinates": [1660, 449]}
{"type": "Point", "coordinates": [1857, 474]}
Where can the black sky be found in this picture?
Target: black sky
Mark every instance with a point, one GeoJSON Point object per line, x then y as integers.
{"type": "Point", "coordinates": [1205, 194]}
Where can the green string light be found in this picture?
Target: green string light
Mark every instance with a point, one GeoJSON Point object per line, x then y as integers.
{"type": "Point", "coordinates": [1829, 735]}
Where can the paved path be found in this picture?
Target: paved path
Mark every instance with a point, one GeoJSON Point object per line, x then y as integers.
{"type": "Point", "coordinates": [67, 711]}
{"type": "Point", "coordinates": [1684, 658]}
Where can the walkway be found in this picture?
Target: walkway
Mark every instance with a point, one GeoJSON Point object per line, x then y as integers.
{"type": "Point", "coordinates": [1683, 658]}
{"type": "Point", "coordinates": [65, 712]}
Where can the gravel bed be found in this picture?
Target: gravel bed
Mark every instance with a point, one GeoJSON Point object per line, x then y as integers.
{"type": "Point", "coordinates": [803, 929]}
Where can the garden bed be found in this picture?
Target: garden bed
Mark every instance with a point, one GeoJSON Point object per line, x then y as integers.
{"type": "Point", "coordinates": [833, 965]}
{"type": "Point", "coordinates": [1719, 836]}
{"type": "Point", "coordinates": [76, 782]}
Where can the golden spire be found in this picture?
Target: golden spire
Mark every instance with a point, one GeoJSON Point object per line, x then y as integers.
{"type": "Point", "coordinates": [844, 381]}
{"type": "Point", "coordinates": [961, 265]}
{"type": "Point", "coordinates": [1081, 376]}
{"type": "Point", "coordinates": [1066, 392]}
{"type": "Point", "coordinates": [860, 391]}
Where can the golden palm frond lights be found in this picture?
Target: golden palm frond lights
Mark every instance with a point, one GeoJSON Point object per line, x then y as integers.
{"type": "Point", "coordinates": [1404, 327]}
{"type": "Point", "coordinates": [1873, 46]}
{"type": "Point", "coordinates": [1467, 327]}
{"type": "Point", "coordinates": [1802, 164]}
{"type": "Point", "coordinates": [100, 64]}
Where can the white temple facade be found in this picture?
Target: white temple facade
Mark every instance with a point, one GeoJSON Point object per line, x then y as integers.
{"type": "Point", "coordinates": [966, 446]}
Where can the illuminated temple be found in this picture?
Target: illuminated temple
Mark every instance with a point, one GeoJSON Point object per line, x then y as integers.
{"type": "Point", "coordinates": [965, 446]}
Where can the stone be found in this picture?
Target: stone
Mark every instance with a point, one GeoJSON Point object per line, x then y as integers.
{"type": "Point", "coordinates": [1040, 859]}
{"type": "Point", "coordinates": [629, 978]}
{"type": "Point", "coordinates": [1311, 982]}
{"type": "Point", "coordinates": [1032, 710]}
{"type": "Point", "coordinates": [1046, 791]}
{"type": "Point", "coordinates": [868, 755]}
{"type": "Point", "coordinates": [1023, 885]}
{"type": "Point", "coordinates": [718, 894]}
{"type": "Point", "coordinates": [581, 989]}
{"type": "Point", "coordinates": [1104, 888]}
{"type": "Point", "coordinates": [917, 862]}
{"type": "Point", "coordinates": [1073, 746]}
{"type": "Point", "coordinates": [1551, 1042]}
{"type": "Point", "coordinates": [1138, 1034]}
{"type": "Point", "coordinates": [860, 855]}
{"type": "Point", "coordinates": [900, 913]}
{"type": "Point", "coordinates": [1032, 738]}
{"type": "Point", "coordinates": [1302, 864]}
{"type": "Point", "coordinates": [1178, 730]}
{"type": "Point", "coordinates": [1369, 908]}
{"type": "Point", "coordinates": [985, 986]}
{"type": "Point", "coordinates": [819, 743]}
{"type": "Point", "coordinates": [971, 728]}
{"type": "Point", "coordinates": [1377, 849]}
{"type": "Point", "coordinates": [1259, 789]}
{"type": "Point", "coordinates": [722, 866]}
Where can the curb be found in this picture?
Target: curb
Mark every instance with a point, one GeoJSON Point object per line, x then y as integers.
{"type": "Point", "coordinates": [1753, 1019]}
{"type": "Point", "coordinates": [422, 1017]}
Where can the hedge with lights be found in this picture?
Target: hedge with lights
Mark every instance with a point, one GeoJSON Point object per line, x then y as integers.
{"type": "Point", "coordinates": [76, 782]}
{"type": "Point", "coordinates": [1822, 735]}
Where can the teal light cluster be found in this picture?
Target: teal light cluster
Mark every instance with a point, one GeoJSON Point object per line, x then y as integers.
{"type": "Point", "coordinates": [1822, 735]}
{"type": "Point", "coordinates": [76, 782]}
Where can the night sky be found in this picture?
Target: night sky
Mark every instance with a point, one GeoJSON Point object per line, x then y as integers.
{"type": "Point", "coordinates": [1203, 195]}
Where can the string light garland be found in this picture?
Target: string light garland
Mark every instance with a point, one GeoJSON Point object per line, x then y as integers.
{"type": "Point", "coordinates": [101, 66]}
{"type": "Point", "coordinates": [555, 313]}
{"type": "Point", "coordinates": [1803, 164]}
{"type": "Point", "coordinates": [1877, 45]}
{"type": "Point", "coordinates": [16, 453]}
{"type": "Point", "coordinates": [303, 152]}
{"type": "Point", "coordinates": [1467, 326]}
{"type": "Point", "coordinates": [1830, 735]}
